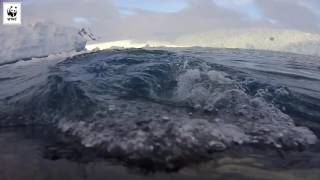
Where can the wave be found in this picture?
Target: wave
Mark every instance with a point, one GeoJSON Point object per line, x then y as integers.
{"type": "Point", "coordinates": [157, 105]}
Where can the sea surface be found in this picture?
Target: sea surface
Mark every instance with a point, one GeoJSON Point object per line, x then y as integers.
{"type": "Point", "coordinates": [167, 113]}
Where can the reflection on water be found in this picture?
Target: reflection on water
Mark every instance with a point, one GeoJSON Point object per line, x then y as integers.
{"type": "Point", "coordinates": [21, 158]}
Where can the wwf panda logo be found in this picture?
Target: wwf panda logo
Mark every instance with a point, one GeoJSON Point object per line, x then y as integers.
{"type": "Point", "coordinates": [12, 11]}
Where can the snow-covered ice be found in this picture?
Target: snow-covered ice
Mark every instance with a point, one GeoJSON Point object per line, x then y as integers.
{"type": "Point", "coordinates": [257, 38]}
{"type": "Point", "coordinates": [38, 40]}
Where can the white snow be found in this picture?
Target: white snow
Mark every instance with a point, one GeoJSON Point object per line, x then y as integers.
{"type": "Point", "coordinates": [129, 44]}
{"type": "Point", "coordinates": [38, 40]}
{"type": "Point", "coordinates": [256, 38]}
{"type": "Point", "coordinates": [259, 39]}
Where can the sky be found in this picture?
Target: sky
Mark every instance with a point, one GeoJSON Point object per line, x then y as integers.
{"type": "Point", "coordinates": [166, 19]}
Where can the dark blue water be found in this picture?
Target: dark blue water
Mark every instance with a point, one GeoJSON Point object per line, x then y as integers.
{"type": "Point", "coordinates": [299, 73]}
{"type": "Point", "coordinates": [168, 108]}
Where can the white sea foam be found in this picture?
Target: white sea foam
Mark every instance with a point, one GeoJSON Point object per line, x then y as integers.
{"type": "Point", "coordinates": [223, 116]}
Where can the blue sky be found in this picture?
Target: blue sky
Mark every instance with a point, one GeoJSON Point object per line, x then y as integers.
{"type": "Point", "coordinates": [162, 6]}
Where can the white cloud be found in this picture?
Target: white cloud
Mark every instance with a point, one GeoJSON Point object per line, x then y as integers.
{"type": "Point", "coordinates": [113, 22]}
{"type": "Point", "coordinates": [238, 2]}
{"type": "Point", "coordinates": [293, 14]}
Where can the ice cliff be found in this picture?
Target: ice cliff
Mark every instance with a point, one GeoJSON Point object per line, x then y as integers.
{"type": "Point", "coordinates": [37, 40]}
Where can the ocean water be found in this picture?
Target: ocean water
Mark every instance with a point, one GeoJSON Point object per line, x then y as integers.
{"type": "Point", "coordinates": [171, 109]}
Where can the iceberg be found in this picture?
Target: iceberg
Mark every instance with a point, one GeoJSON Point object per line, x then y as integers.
{"type": "Point", "coordinates": [38, 40]}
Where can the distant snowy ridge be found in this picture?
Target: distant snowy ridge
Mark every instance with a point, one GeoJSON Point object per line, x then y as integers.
{"type": "Point", "coordinates": [260, 39]}
{"type": "Point", "coordinates": [128, 44]}
{"type": "Point", "coordinates": [38, 40]}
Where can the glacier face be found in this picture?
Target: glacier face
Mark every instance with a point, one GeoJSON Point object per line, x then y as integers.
{"type": "Point", "coordinates": [39, 39]}
{"type": "Point", "coordinates": [256, 38]}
